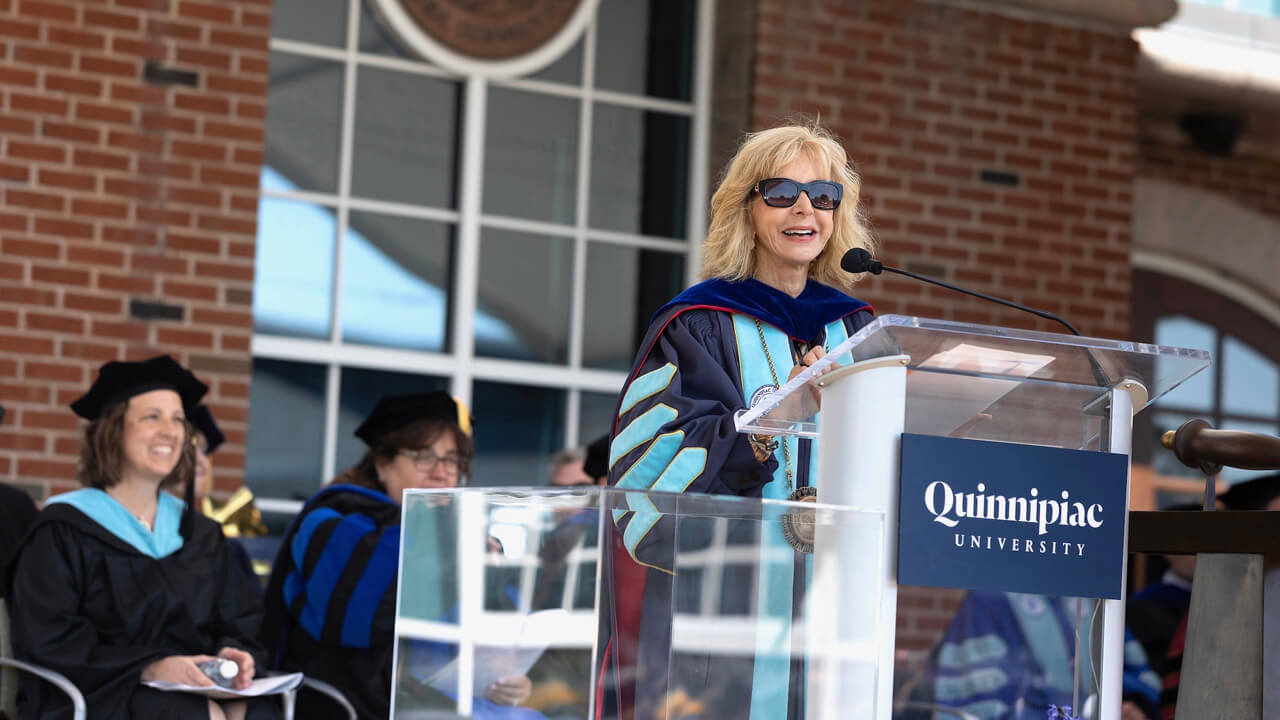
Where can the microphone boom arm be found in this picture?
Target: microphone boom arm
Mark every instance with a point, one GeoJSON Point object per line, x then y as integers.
{"type": "Point", "coordinates": [1041, 313]}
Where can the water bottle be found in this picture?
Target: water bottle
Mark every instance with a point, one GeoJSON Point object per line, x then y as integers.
{"type": "Point", "coordinates": [221, 671]}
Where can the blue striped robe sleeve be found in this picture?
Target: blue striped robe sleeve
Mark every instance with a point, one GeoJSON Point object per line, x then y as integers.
{"type": "Point", "coordinates": [674, 428]}
{"type": "Point", "coordinates": [343, 567]}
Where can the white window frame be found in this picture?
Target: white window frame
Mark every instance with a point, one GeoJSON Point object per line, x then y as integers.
{"type": "Point", "coordinates": [461, 365]}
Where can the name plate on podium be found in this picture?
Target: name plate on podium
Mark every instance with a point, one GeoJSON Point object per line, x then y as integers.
{"type": "Point", "coordinates": [984, 515]}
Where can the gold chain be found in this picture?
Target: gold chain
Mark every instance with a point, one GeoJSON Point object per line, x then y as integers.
{"type": "Point", "coordinates": [786, 451]}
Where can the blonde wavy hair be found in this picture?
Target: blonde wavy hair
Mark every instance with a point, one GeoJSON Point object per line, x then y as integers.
{"type": "Point", "coordinates": [729, 250]}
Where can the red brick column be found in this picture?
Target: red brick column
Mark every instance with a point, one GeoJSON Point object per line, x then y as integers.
{"type": "Point", "coordinates": [130, 146]}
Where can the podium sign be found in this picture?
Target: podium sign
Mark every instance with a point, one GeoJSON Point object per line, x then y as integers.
{"type": "Point", "coordinates": [983, 515]}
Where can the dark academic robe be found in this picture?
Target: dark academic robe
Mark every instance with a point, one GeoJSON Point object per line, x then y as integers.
{"type": "Point", "coordinates": [93, 607]}
{"type": "Point", "coordinates": [718, 347]}
{"type": "Point", "coordinates": [331, 599]}
{"type": "Point", "coordinates": [1009, 656]}
{"type": "Point", "coordinates": [17, 513]}
{"type": "Point", "coordinates": [1153, 614]}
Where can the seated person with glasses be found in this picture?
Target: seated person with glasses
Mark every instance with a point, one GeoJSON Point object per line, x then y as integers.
{"type": "Point", "coordinates": [331, 599]}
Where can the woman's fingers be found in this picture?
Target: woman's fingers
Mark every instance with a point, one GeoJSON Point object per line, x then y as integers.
{"type": "Point", "coordinates": [510, 691]}
{"type": "Point", "coordinates": [244, 660]}
{"type": "Point", "coordinates": [189, 667]}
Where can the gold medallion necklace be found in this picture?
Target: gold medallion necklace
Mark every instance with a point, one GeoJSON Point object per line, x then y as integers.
{"type": "Point", "coordinates": [786, 451]}
{"type": "Point", "coordinates": [805, 493]}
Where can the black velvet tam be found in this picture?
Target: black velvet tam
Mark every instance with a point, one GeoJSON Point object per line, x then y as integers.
{"type": "Point", "coordinates": [204, 424]}
{"type": "Point", "coordinates": [597, 463]}
{"type": "Point", "coordinates": [396, 411]}
{"type": "Point", "coordinates": [1252, 494]}
{"type": "Point", "coordinates": [118, 381]}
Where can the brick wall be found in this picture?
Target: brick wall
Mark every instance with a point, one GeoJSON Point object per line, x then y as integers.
{"type": "Point", "coordinates": [996, 152]}
{"type": "Point", "coordinates": [128, 207]}
{"type": "Point", "coordinates": [930, 99]}
{"type": "Point", "coordinates": [1250, 176]}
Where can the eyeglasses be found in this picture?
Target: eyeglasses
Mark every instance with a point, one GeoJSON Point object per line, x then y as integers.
{"type": "Point", "coordinates": [426, 460]}
{"type": "Point", "coordinates": [784, 192]}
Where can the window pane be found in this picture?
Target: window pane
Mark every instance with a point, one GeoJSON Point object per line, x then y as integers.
{"type": "Point", "coordinates": [645, 47]}
{"type": "Point", "coordinates": [395, 281]}
{"type": "Point", "coordinates": [525, 286]}
{"type": "Point", "coordinates": [517, 428]}
{"type": "Point", "coordinates": [1250, 382]}
{"type": "Point", "coordinates": [304, 120]}
{"type": "Point", "coordinates": [1163, 461]}
{"type": "Point", "coordinates": [531, 156]}
{"type": "Point", "coordinates": [625, 286]}
{"type": "Point", "coordinates": [286, 429]}
{"type": "Point", "coordinates": [1260, 7]}
{"type": "Point", "coordinates": [1178, 331]}
{"type": "Point", "coordinates": [323, 22]}
{"type": "Point", "coordinates": [359, 391]}
{"type": "Point", "coordinates": [377, 37]}
{"type": "Point", "coordinates": [566, 69]}
{"type": "Point", "coordinates": [595, 415]}
{"type": "Point", "coordinates": [639, 171]}
{"type": "Point", "coordinates": [293, 273]}
{"type": "Point", "coordinates": [406, 130]}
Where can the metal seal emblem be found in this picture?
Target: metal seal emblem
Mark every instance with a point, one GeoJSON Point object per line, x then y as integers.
{"type": "Point", "coordinates": [762, 393]}
{"type": "Point", "coordinates": [798, 525]}
{"type": "Point", "coordinates": [495, 38]}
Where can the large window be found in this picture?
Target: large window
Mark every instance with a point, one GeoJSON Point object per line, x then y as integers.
{"type": "Point", "coordinates": [504, 240]}
{"type": "Point", "coordinates": [1239, 391]}
{"type": "Point", "coordinates": [1257, 7]}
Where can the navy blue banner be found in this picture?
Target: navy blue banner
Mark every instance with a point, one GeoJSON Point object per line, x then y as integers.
{"type": "Point", "coordinates": [987, 515]}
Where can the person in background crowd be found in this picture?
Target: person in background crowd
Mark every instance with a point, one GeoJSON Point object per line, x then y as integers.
{"type": "Point", "coordinates": [17, 513]}
{"type": "Point", "coordinates": [582, 466]}
{"type": "Point", "coordinates": [772, 303]}
{"type": "Point", "coordinates": [562, 676]}
{"type": "Point", "coordinates": [331, 598]}
{"type": "Point", "coordinates": [1154, 613]}
{"type": "Point", "coordinates": [119, 584]}
{"type": "Point", "coordinates": [566, 469]}
{"type": "Point", "coordinates": [207, 437]}
{"type": "Point", "coordinates": [1009, 656]}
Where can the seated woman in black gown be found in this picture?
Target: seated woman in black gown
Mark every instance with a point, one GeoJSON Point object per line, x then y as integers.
{"type": "Point", "coordinates": [118, 583]}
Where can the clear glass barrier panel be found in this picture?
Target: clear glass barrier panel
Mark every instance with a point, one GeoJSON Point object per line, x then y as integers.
{"type": "Point", "coordinates": [1011, 656]}
{"type": "Point", "coordinates": [989, 382]}
{"type": "Point", "coordinates": [714, 613]}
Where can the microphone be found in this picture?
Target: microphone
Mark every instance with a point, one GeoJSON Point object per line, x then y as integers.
{"type": "Point", "coordinates": [858, 260]}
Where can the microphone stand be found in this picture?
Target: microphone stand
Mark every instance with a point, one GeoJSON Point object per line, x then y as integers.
{"type": "Point", "coordinates": [863, 262]}
{"type": "Point", "coordinates": [1007, 303]}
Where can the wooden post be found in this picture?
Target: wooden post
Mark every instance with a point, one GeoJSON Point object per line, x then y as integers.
{"type": "Point", "coordinates": [1222, 661]}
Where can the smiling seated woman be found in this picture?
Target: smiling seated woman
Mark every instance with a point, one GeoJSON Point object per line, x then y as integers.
{"type": "Point", "coordinates": [119, 583]}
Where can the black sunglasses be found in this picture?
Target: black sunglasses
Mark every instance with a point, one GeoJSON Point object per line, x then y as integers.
{"type": "Point", "coordinates": [784, 192]}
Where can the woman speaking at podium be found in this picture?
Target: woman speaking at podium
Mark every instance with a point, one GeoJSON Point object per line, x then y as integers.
{"type": "Point", "coordinates": [773, 301]}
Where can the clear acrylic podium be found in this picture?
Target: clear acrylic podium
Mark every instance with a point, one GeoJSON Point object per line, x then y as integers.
{"type": "Point", "coordinates": [933, 377]}
{"type": "Point", "coordinates": [531, 582]}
